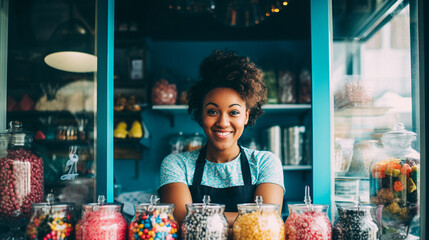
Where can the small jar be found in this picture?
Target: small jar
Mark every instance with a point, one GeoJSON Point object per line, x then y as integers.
{"type": "Point", "coordinates": [21, 177]}
{"type": "Point", "coordinates": [308, 222]}
{"type": "Point", "coordinates": [204, 222]}
{"type": "Point", "coordinates": [51, 221]}
{"type": "Point", "coordinates": [153, 222]}
{"type": "Point", "coordinates": [356, 222]}
{"type": "Point", "coordinates": [101, 221]}
{"type": "Point", "coordinates": [261, 222]}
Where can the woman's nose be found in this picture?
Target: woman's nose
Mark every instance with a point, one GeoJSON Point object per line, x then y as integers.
{"type": "Point", "coordinates": [223, 120]}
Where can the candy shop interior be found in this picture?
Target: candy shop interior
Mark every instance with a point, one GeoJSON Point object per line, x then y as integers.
{"type": "Point", "coordinates": [343, 115]}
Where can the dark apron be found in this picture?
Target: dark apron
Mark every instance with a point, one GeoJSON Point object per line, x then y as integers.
{"type": "Point", "coordinates": [230, 196]}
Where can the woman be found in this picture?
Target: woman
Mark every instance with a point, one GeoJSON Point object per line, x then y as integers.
{"type": "Point", "coordinates": [227, 99]}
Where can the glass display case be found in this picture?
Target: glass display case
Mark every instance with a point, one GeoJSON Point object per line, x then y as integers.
{"type": "Point", "coordinates": [374, 79]}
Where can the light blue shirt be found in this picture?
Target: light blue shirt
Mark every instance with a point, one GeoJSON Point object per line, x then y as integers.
{"type": "Point", "coordinates": [265, 167]}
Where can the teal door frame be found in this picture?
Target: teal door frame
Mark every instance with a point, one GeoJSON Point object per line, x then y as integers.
{"type": "Point", "coordinates": [4, 22]}
{"type": "Point", "coordinates": [105, 20]}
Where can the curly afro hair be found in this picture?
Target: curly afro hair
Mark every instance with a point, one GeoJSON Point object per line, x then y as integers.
{"type": "Point", "coordinates": [225, 69]}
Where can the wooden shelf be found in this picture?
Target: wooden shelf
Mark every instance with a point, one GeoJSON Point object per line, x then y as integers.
{"type": "Point", "coordinates": [297, 167]}
{"type": "Point", "coordinates": [268, 108]}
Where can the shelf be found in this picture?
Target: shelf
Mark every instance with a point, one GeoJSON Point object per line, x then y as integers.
{"type": "Point", "coordinates": [126, 114]}
{"type": "Point", "coordinates": [366, 178]}
{"type": "Point", "coordinates": [33, 113]}
{"type": "Point", "coordinates": [268, 108]}
{"type": "Point", "coordinates": [130, 84]}
{"type": "Point", "coordinates": [297, 167]}
{"type": "Point", "coordinates": [361, 111]}
{"type": "Point", "coordinates": [56, 143]}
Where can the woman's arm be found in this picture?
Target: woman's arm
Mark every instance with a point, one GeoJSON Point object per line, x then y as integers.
{"type": "Point", "coordinates": [271, 193]}
{"type": "Point", "coordinates": [179, 194]}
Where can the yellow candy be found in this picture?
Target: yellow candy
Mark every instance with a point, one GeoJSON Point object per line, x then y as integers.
{"type": "Point", "coordinates": [141, 225]}
{"type": "Point", "coordinates": [140, 233]}
{"type": "Point", "coordinates": [161, 224]}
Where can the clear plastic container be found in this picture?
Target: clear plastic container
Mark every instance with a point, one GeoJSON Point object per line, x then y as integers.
{"type": "Point", "coordinates": [308, 222]}
{"type": "Point", "coordinates": [177, 143]}
{"type": "Point", "coordinates": [153, 222]}
{"type": "Point", "coordinates": [21, 177]}
{"type": "Point", "coordinates": [101, 221]}
{"type": "Point", "coordinates": [51, 221]}
{"type": "Point", "coordinates": [204, 222]}
{"type": "Point", "coordinates": [355, 222]}
{"type": "Point", "coordinates": [258, 221]}
{"type": "Point", "coordinates": [394, 182]}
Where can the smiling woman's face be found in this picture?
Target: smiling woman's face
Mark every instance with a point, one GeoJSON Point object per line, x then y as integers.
{"type": "Point", "coordinates": [224, 116]}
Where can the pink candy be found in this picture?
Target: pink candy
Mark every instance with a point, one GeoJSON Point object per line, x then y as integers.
{"type": "Point", "coordinates": [309, 225]}
{"type": "Point", "coordinates": [21, 184]}
{"type": "Point", "coordinates": [101, 225]}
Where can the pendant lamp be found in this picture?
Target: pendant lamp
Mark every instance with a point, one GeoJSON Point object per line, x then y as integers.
{"type": "Point", "coordinates": [71, 47]}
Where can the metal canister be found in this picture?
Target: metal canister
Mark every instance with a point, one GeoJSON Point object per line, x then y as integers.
{"type": "Point", "coordinates": [293, 139]}
{"type": "Point", "coordinates": [272, 140]}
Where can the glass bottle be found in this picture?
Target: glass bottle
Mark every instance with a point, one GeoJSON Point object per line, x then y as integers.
{"type": "Point", "coordinates": [51, 221]}
{"type": "Point", "coordinates": [258, 221]}
{"type": "Point", "coordinates": [355, 222]}
{"type": "Point", "coordinates": [205, 221]}
{"type": "Point", "coordinates": [195, 142]}
{"type": "Point", "coordinates": [21, 178]}
{"type": "Point", "coordinates": [153, 222]}
{"type": "Point", "coordinates": [394, 182]}
{"type": "Point", "coordinates": [101, 221]}
{"type": "Point", "coordinates": [177, 143]}
{"type": "Point", "coordinates": [308, 221]}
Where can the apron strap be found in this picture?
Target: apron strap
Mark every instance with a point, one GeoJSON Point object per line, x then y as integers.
{"type": "Point", "coordinates": [201, 162]}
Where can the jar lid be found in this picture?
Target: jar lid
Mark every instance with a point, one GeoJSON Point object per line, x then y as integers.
{"type": "Point", "coordinates": [255, 206]}
{"type": "Point", "coordinates": [354, 207]}
{"type": "Point", "coordinates": [159, 206]}
{"type": "Point", "coordinates": [105, 206]}
{"type": "Point", "coordinates": [63, 205]}
{"type": "Point", "coordinates": [304, 207]}
{"type": "Point", "coordinates": [16, 135]}
{"type": "Point", "coordinates": [398, 131]}
{"type": "Point", "coordinates": [194, 206]}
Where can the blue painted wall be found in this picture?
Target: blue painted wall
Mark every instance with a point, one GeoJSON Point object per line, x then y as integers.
{"type": "Point", "coordinates": [182, 59]}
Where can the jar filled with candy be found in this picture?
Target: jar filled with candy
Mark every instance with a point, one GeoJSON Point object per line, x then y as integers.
{"type": "Point", "coordinates": [258, 221]}
{"type": "Point", "coordinates": [394, 182]}
{"type": "Point", "coordinates": [51, 221]}
{"type": "Point", "coordinates": [205, 221]}
{"type": "Point", "coordinates": [356, 222]}
{"type": "Point", "coordinates": [21, 177]}
{"type": "Point", "coordinates": [308, 221]}
{"type": "Point", "coordinates": [101, 221]}
{"type": "Point", "coordinates": [153, 221]}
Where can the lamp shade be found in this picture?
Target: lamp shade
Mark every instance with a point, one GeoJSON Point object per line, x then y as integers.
{"type": "Point", "coordinates": [71, 48]}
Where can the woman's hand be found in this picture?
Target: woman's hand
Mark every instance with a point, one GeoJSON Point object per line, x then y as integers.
{"type": "Point", "coordinates": [179, 194]}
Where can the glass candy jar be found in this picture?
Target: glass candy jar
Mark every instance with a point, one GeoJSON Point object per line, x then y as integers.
{"type": "Point", "coordinates": [308, 222]}
{"type": "Point", "coordinates": [51, 221]}
{"type": "Point", "coordinates": [394, 182]}
{"type": "Point", "coordinates": [204, 222]}
{"type": "Point", "coordinates": [355, 222]}
{"type": "Point", "coordinates": [21, 178]}
{"type": "Point", "coordinates": [101, 221]}
{"type": "Point", "coordinates": [258, 221]}
{"type": "Point", "coordinates": [153, 222]}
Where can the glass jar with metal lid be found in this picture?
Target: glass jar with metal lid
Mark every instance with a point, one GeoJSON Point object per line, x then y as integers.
{"type": "Point", "coordinates": [21, 177]}
{"type": "Point", "coordinates": [308, 221]}
{"type": "Point", "coordinates": [153, 221]}
{"type": "Point", "coordinates": [205, 221]}
{"type": "Point", "coordinates": [356, 222]}
{"type": "Point", "coordinates": [394, 182]}
{"type": "Point", "coordinates": [258, 221]}
{"type": "Point", "coordinates": [51, 221]}
{"type": "Point", "coordinates": [101, 221]}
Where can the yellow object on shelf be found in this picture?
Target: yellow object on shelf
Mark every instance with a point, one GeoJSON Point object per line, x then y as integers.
{"type": "Point", "coordinates": [136, 130]}
{"type": "Point", "coordinates": [120, 130]}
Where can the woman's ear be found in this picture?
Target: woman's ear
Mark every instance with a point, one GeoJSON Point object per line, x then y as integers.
{"type": "Point", "coordinates": [247, 116]}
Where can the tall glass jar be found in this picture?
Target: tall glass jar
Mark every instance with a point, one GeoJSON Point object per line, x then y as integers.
{"type": "Point", "coordinates": [21, 179]}
{"type": "Point", "coordinates": [101, 221]}
{"type": "Point", "coordinates": [204, 222]}
{"type": "Point", "coordinates": [356, 222]}
{"type": "Point", "coordinates": [394, 182]}
{"type": "Point", "coordinates": [308, 222]}
{"type": "Point", "coordinates": [51, 221]}
{"type": "Point", "coordinates": [153, 222]}
{"type": "Point", "coordinates": [261, 222]}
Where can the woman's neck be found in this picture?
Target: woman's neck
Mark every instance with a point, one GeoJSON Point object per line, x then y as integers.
{"type": "Point", "coordinates": [222, 156]}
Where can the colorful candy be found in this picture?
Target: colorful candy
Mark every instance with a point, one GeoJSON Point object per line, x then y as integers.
{"type": "Point", "coordinates": [101, 222]}
{"type": "Point", "coordinates": [311, 225]}
{"type": "Point", "coordinates": [153, 224]}
{"type": "Point", "coordinates": [51, 223]}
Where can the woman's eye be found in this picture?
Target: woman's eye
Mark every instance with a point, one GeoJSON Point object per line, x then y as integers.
{"type": "Point", "coordinates": [211, 111]}
{"type": "Point", "coordinates": [234, 112]}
